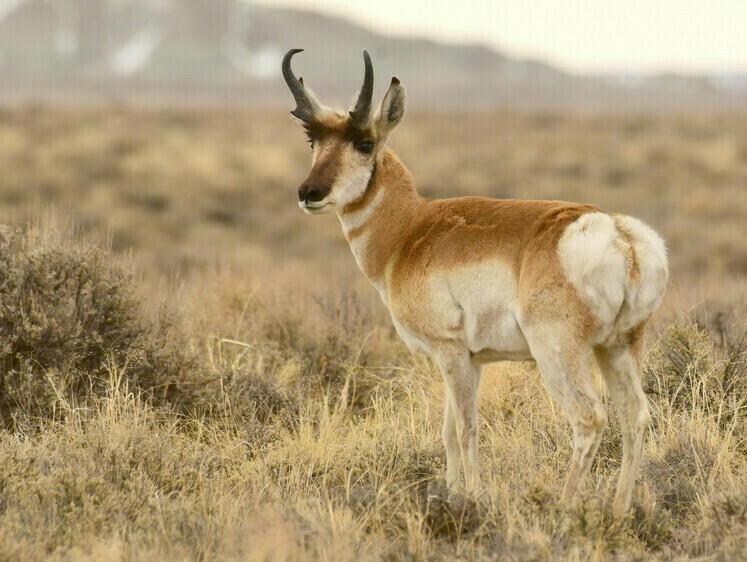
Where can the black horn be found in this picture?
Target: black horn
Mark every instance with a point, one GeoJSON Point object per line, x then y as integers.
{"type": "Point", "coordinates": [363, 106]}
{"type": "Point", "coordinates": [306, 105]}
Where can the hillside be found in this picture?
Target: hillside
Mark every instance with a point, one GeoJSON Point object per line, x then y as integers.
{"type": "Point", "coordinates": [230, 50]}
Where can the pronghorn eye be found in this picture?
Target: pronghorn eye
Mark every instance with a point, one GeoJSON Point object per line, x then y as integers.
{"type": "Point", "coordinates": [311, 142]}
{"type": "Point", "coordinates": [365, 146]}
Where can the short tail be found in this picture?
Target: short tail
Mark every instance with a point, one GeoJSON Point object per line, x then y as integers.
{"type": "Point", "coordinates": [647, 272]}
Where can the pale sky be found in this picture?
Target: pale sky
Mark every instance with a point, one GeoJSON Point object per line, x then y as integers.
{"type": "Point", "coordinates": [578, 35]}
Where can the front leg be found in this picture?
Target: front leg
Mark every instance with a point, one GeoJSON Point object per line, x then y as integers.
{"type": "Point", "coordinates": [460, 434]}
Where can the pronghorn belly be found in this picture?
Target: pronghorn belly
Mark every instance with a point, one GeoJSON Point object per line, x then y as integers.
{"type": "Point", "coordinates": [617, 265]}
{"type": "Point", "coordinates": [471, 304]}
{"type": "Point", "coordinates": [489, 355]}
{"type": "Point", "coordinates": [488, 301]}
{"type": "Point", "coordinates": [414, 339]}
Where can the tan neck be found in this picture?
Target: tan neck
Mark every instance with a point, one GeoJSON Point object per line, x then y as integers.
{"type": "Point", "coordinates": [376, 224]}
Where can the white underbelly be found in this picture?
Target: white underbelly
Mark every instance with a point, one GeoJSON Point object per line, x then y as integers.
{"type": "Point", "coordinates": [474, 305]}
{"type": "Point", "coordinates": [494, 334]}
{"type": "Point", "coordinates": [415, 342]}
{"type": "Point", "coordinates": [487, 295]}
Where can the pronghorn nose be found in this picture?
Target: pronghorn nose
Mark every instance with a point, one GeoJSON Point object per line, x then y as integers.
{"type": "Point", "coordinates": [310, 193]}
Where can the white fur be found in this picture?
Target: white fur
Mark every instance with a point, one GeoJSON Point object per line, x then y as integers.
{"type": "Point", "coordinates": [349, 221]}
{"type": "Point", "coordinates": [465, 315]}
{"type": "Point", "coordinates": [478, 302]}
{"type": "Point", "coordinates": [412, 341]}
{"type": "Point", "coordinates": [597, 252]}
{"type": "Point", "coordinates": [643, 295]}
{"type": "Point", "coordinates": [347, 188]}
{"type": "Point", "coordinates": [594, 258]}
{"type": "Point", "coordinates": [315, 208]}
{"type": "Point", "coordinates": [359, 247]}
{"type": "Point", "coordinates": [350, 185]}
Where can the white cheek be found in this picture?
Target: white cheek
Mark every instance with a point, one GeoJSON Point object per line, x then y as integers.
{"type": "Point", "coordinates": [351, 186]}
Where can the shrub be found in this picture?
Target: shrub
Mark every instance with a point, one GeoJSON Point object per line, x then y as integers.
{"type": "Point", "coordinates": [70, 324]}
{"type": "Point", "coordinates": [726, 526]}
{"type": "Point", "coordinates": [687, 371]}
{"type": "Point", "coordinates": [734, 369]}
{"type": "Point", "coordinates": [336, 344]}
{"type": "Point", "coordinates": [681, 370]}
{"type": "Point", "coordinates": [681, 471]}
{"type": "Point", "coordinates": [120, 468]}
{"type": "Point", "coordinates": [245, 399]}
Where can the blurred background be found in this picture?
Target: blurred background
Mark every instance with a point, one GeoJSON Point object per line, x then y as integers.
{"type": "Point", "coordinates": [149, 170]}
{"type": "Point", "coordinates": [163, 124]}
{"type": "Point", "coordinates": [482, 55]}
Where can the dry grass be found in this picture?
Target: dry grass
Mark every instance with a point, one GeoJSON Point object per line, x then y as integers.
{"type": "Point", "coordinates": [296, 425]}
{"type": "Point", "coordinates": [191, 189]}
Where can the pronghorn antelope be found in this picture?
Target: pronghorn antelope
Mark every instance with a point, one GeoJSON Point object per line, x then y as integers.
{"type": "Point", "coordinates": [471, 280]}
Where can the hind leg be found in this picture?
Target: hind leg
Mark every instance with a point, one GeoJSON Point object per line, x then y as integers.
{"type": "Point", "coordinates": [620, 366]}
{"type": "Point", "coordinates": [563, 368]}
{"type": "Point", "coordinates": [451, 444]}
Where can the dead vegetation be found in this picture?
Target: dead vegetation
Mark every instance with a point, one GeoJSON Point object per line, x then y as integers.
{"type": "Point", "coordinates": [256, 404]}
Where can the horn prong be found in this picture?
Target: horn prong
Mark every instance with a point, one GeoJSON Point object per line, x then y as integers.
{"type": "Point", "coordinates": [306, 105]}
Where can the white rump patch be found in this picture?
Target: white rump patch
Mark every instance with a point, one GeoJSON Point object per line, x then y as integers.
{"type": "Point", "coordinates": [646, 288]}
{"type": "Point", "coordinates": [618, 265]}
{"type": "Point", "coordinates": [594, 259]}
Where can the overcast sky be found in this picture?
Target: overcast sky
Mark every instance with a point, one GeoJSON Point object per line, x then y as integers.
{"type": "Point", "coordinates": [578, 35]}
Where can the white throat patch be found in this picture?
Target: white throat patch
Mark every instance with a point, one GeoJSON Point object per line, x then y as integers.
{"type": "Point", "coordinates": [350, 221]}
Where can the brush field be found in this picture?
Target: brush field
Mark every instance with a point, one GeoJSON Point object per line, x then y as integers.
{"type": "Point", "coordinates": [190, 368]}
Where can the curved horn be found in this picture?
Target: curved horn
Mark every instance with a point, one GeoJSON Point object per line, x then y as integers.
{"type": "Point", "coordinates": [306, 105]}
{"type": "Point", "coordinates": [363, 106]}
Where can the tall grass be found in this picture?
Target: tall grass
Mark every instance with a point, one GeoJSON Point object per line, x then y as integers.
{"type": "Point", "coordinates": [300, 428]}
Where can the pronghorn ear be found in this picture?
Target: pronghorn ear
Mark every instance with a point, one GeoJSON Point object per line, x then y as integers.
{"type": "Point", "coordinates": [392, 109]}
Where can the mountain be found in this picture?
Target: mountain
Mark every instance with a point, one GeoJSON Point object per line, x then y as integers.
{"type": "Point", "coordinates": [216, 50]}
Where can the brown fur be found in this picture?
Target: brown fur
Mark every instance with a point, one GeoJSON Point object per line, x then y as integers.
{"type": "Point", "coordinates": [323, 174]}
{"type": "Point", "coordinates": [419, 253]}
{"type": "Point", "coordinates": [333, 137]}
{"type": "Point", "coordinates": [419, 234]}
{"type": "Point", "coordinates": [331, 124]}
{"type": "Point", "coordinates": [635, 340]}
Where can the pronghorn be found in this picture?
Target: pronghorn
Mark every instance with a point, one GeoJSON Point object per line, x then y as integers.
{"type": "Point", "coordinates": [472, 280]}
